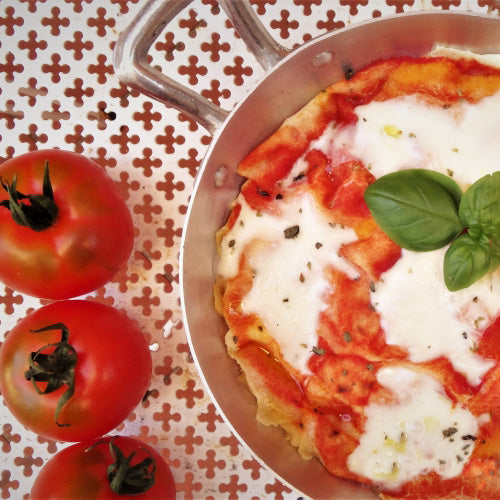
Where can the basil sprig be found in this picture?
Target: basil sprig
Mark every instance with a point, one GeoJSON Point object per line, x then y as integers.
{"type": "Point", "coordinates": [423, 210]}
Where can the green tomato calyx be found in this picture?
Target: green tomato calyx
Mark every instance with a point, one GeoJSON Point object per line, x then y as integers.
{"type": "Point", "coordinates": [126, 478]}
{"type": "Point", "coordinates": [41, 211]}
{"type": "Point", "coordinates": [53, 366]}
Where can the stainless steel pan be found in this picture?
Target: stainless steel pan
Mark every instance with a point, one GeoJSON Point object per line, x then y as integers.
{"type": "Point", "coordinates": [291, 79]}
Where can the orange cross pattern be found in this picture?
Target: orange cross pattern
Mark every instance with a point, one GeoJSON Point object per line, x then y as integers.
{"type": "Point", "coordinates": [59, 90]}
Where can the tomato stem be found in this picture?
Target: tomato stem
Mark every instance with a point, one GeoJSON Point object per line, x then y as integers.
{"type": "Point", "coordinates": [55, 367]}
{"type": "Point", "coordinates": [41, 211]}
{"type": "Point", "coordinates": [128, 479]}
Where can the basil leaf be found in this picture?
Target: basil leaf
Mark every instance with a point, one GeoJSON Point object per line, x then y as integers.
{"type": "Point", "coordinates": [480, 206]}
{"type": "Point", "coordinates": [416, 208]}
{"type": "Point", "coordinates": [446, 182]}
{"type": "Point", "coordinates": [466, 261]}
{"type": "Point", "coordinates": [495, 252]}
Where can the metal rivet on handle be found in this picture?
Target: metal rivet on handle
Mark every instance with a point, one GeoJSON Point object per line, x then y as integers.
{"type": "Point", "coordinates": [221, 176]}
{"type": "Point", "coordinates": [322, 58]}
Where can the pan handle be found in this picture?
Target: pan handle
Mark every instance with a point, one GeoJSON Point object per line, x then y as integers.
{"type": "Point", "coordinates": [266, 50]}
{"type": "Point", "coordinates": [133, 44]}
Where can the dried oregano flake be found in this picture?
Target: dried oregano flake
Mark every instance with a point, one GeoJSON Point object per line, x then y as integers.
{"type": "Point", "coordinates": [291, 232]}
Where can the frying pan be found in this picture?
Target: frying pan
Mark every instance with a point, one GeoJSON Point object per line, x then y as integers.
{"type": "Point", "coordinates": [290, 80]}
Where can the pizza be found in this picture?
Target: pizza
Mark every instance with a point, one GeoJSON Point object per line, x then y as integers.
{"type": "Point", "coordinates": [349, 342]}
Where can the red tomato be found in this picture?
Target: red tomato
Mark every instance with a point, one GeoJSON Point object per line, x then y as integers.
{"type": "Point", "coordinates": [77, 246]}
{"type": "Point", "coordinates": [80, 471]}
{"type": "Point", "coordinates": [112, 370]}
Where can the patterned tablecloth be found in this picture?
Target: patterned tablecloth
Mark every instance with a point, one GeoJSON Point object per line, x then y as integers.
{"type": "Point", "coordinates": [58, 89]}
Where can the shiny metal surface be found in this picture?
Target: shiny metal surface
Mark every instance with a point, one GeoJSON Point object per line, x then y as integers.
{"type": "Point", "coordinates": [133, 44]}
{"type": "Point", "coordinates": [132, 68]}
{"type": "Point", "coordinates": [293, 80]}
{"type": "Point", "coordinates": [258, 41]}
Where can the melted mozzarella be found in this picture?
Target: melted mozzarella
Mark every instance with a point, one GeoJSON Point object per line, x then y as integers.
{"type": "Point", "coordinates": [405, 132]}
{"type": "Point", "coordinates": [419, 433]}
{"type": "Point", "coordinates": [419, 313]}
{"type": "Point", "coordinates": [289, 285]}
